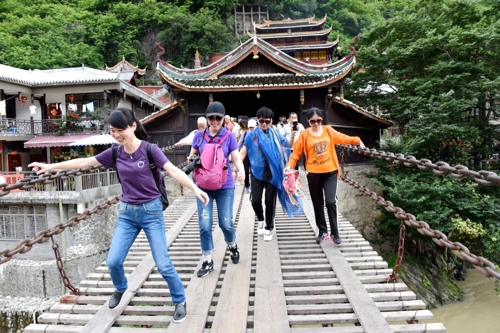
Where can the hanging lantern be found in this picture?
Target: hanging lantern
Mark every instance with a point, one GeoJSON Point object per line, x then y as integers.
{"type": "Point", "coordinates": [24, 99]}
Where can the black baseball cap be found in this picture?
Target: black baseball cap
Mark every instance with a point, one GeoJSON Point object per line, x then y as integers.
{"type": "Point", "coordinates": [216, 109]}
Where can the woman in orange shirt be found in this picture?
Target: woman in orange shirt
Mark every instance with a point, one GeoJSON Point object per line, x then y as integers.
{"type": "Point", "coordinates": [318, 144]}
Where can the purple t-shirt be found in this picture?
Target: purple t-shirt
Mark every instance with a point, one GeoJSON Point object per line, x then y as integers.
{"type": "Point", "coordinates": [138, 184]}
{"type": "Point", "coordinates": [228, 146]}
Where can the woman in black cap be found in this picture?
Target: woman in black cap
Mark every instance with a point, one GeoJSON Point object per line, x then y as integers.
{"type": "Point", "coordinates": [224, 196]}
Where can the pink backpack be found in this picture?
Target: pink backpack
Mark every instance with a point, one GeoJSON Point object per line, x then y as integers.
{"type": "Point", "coordinates": [212, 173]}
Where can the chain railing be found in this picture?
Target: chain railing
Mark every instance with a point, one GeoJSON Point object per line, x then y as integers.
{"type": "Point", "coordinates": [482, 177]}
{"type": "Point", "coordinates": [486, 267]}
{"type": "Point", "coordinates": [43, 236]}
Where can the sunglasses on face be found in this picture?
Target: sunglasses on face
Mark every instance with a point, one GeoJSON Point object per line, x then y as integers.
{"type": "Point", "coordinates": [218, 118]}
{"type": "Point", "coordinates": [265, 121]}
{"type": "Point", "coordinates": [315, 121]}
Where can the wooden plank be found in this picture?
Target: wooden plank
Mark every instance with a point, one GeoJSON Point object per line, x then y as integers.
{"type": "Point", "coordinates": [366, 311]}
{"type": "Point", "coordinates": [105, 317]}
{"type": "Point", "coordinates": [270, 315]}
{"type": "Point", "coordinates": [200, 291]}
{"type": "Point", "coordinates": [413, 328]}
{"type": "Point", "coordinates": [346, 318]}
{"type": "Point", "coordinates": [232, 306]}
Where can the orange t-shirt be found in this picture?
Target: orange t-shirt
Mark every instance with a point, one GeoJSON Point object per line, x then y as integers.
{"type": "Point", "coordinates": [319, 159]}
{"type": "Point", "coordinates": [320, 150]}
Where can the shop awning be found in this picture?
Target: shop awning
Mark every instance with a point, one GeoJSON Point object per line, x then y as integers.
{"type": "Point", "coordinates": [105, 139]}
{"type": "Point", "coordinates": [54, 141]}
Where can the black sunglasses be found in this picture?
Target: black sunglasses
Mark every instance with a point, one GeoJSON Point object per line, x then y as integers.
{"type": "Point", "coordinates": [316, 121]}
{"type": "Point", "coordinates": [218, 118]}
{"type": "Point", "coordinates": [265, 121]}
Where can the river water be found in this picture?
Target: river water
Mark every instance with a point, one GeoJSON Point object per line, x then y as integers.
{"type": "Point", "coordinates": [479, 312]}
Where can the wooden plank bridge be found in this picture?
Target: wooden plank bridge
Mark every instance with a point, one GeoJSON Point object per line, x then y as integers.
{"type": "Point", "coordinates": [290, 284]}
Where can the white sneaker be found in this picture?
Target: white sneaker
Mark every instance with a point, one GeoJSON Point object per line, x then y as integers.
{"type": "Point", "coordinates": [268, 236]}
{"type": "Point", "coordinates": [260, 229]}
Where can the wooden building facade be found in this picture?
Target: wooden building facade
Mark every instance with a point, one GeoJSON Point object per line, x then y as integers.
{"type": "Point", "coordinates": [253, 75]}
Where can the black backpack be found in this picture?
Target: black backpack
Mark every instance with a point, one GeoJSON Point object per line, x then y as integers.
{"type": "Point", "coordinates": [159, 184]}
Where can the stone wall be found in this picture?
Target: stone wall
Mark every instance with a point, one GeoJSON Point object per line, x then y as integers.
{"type": "Point", "coordinates": [360, 210]}
{"type": "Point", "coordinates": [35, 273]}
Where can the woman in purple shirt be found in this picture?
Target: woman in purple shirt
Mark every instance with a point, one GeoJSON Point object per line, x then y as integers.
{"type": "Point", "coordinates": [140, 206]}
{"type": "Point", "coordinates": [224, 197]}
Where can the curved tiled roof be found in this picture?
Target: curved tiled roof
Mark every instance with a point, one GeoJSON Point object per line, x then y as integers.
{"type": "Point", "coordinates": [259, 81]}
{"type": "Point", "coordinates": [327, 45]}
{"type": "Point", "coordinates": [172, 74]}
{"type": "Point", "coordinates": [296, 34]}
{"type": "Point", "coordinates": [124, 65]}
{"type": "Point", "coordinates": [54, 77]}
{"type": "Point", "coordinates": [307, 22]}
{"type": "Point", "coordinates": [360, 110]}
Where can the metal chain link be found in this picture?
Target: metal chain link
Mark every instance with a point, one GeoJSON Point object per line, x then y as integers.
{"type": "Point", "coordinates": [402, 231]}
{"type": "Point", "coordinates": [60, 267]}
{"type": "Point", "coordinates": [43, 236]}
{"type": "Point", "coordinates": [486, 267]}
{"type": "Point", "coordinates": [401, 252]}
{"type": "Point", "coordinates": [482, 177]}
{"type": "Point", "coordinates": [48, 177]}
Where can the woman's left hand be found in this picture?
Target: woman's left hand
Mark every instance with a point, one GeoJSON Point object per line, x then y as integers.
{"type": "Point", "coordinates": [202, 196]}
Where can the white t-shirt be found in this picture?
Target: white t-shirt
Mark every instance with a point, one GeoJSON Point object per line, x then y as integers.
{"type": "Point", "coordinates": [288, 132]}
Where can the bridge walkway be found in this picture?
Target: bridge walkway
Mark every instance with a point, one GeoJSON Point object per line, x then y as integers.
{"type": "Point", "coordinates": [290, 284]}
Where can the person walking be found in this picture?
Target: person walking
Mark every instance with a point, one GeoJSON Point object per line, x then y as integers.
{"type": "Point", "coordinates": [188, 140]}
{"type": "Point", "coordinates": [240, 137]}
{"type": "Point", "coordinates": [140, 203]}
{"type": "Point", "coordinates": [292, 131]}
{"type": "Point", "coordinates": [318, 144]}
{"type": "Point", "coordinates": [263, 146]}
{"type": "Point", "coordinates": [224, 197]}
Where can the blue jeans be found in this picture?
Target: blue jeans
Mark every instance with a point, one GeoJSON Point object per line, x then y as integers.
{"type": "Point", "coordinates": [149, 217]}
{"type": "Point", "coordinates": [224, 199]}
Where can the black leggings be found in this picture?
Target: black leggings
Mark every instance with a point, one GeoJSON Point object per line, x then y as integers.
{"type": "Point", "coordinates": [246, 167]}
{"type": "Point", "coordinates": [270, 200]}
{"type": "Point", "coordinates": [327, 182]}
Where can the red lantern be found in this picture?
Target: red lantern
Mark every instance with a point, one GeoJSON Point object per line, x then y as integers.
{"type": "Point", "coordinates": [24, 99]}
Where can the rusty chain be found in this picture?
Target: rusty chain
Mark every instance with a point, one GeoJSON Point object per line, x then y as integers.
{"type": "Point", "coordinates": [60, 267]}
{"type": "Point", "coordinates": [482, 177]}
{"type": "Point", "coordinates": [486, 267]}
{"type": "Point", "coordinates": [48, 177]}
{"type": "Point", "coordinates": [43, 236]}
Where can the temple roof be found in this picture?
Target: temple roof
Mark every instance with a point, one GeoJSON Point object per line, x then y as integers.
{"type": "Point", "coordinates": [295, 73]}
{"type": "Point", "coordinates": [322, 46]}
{"type": "Point", "coordinates": [280, 24]}
{"type": "Point", "coordinates": [125, 66]}
{"type": "Point", "coordinates": [296, 34]}
{"type": "Point", "coordinates": [360, 110]}
{"type": "Point", "coordinates": [52, 77]}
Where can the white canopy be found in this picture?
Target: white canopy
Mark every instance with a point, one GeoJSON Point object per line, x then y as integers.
{"type": "Point", "coordinates": [98, 139]}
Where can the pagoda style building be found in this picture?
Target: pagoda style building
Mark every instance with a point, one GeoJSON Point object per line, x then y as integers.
{"type": "Point", "coordinates": [304, 39]}
{"type": "Point", "coordinates": [127, 72]}
{"type": "Point", "coordinates": [253, 75]}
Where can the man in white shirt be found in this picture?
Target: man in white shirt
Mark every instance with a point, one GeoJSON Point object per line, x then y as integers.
{"type": "Point", "coordinates": [293, 128]}
{"type": "Point", "coordinates": [188, 140]}
{"type": "Point", "coordinates": [292, 131]}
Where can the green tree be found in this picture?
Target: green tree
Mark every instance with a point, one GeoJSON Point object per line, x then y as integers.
{"type": "Point", "coordinates": [186, 33]}
{"type": "Point", "coordinates": [440, 60]}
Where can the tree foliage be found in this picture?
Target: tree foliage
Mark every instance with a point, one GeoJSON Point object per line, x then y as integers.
{"type": "Point", "coordinates": [440, 60]}
{"type": "Point", "coordinates": [53, 34]}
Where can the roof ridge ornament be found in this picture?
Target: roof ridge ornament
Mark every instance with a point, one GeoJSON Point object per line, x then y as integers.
{"type": "Point", "coordinates": [159, 54]}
